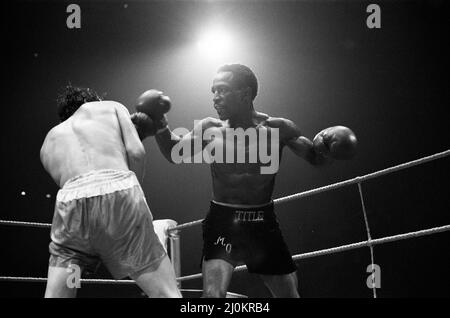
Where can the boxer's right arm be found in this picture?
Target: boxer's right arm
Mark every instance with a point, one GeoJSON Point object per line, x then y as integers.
{"type": "Point", "coordinates": [167, 139]}
{"type": "Point", "coordinates": [301, 145]}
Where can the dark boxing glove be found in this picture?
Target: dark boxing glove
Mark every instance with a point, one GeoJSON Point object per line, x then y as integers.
{"type": "Point", "coordinates": [337, 142]}
{"type": "Point", "coordinates": [145, 126]}
{"type": "Point", "coordinates": [153, 103]}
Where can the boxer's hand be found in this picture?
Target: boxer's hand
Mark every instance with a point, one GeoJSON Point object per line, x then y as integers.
{"type": "Point", "coordinates": [337, 142]}
{"type": "Point", "coordinates": [161, 124]}
{"type": "Point", "coordinates": [145, 126]}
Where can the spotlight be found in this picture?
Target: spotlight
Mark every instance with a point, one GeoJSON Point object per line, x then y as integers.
{"type": "Point", "coordinates": [215, 43]}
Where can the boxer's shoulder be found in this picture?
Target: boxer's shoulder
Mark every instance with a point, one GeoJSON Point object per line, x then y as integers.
{"type": "Point", "coordinates": [101, 106]}
{"type": "Point", "coordinates": [210, 122]}
{"type": "Point", "coordinates": [287, 128]}
{"type": "Point", "coordinates": [280, 122]}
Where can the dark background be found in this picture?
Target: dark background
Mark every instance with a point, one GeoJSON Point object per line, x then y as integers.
{"type": "Point", "coordinates": [317, 64]}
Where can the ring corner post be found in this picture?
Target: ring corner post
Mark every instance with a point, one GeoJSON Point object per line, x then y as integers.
{"type": "Point", "coordinates": [174, 253]}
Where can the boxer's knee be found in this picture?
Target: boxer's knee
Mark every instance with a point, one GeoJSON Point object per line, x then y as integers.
{"type": "Point", "coordinates": [213, 292]}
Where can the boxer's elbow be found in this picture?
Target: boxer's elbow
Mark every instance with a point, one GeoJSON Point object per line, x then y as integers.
{"type": "Point", "coordinates": [136, 154]}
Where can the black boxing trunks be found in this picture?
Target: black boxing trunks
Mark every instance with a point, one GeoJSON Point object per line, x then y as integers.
{"type": "Point", "coordinates": [103, 216]}
{"type": "Point", "coordinates": [249, 235]}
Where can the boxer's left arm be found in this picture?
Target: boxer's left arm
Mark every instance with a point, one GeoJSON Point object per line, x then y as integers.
{"type": "Point", "coordinates": [133, 145]}
{"type": "Point", "coordinates": [290, 135]}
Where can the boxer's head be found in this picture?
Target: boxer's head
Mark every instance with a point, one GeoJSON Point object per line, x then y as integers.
{"type": "Point", "coordinates": [234, 87]}
{"type": "Point", "coordinates": [72, 98]}
{"type": "Point", "coordinates": [242, 77]}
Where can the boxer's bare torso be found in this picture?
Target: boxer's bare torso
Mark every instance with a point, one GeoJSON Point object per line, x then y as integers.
{"type": "Point", "coordinates": [243, 183]}
{"type": "Point", "coordinates": [91, 139]}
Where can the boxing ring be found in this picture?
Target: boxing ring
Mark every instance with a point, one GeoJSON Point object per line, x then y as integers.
{"type": "Point", "coordinates": [169, 233]}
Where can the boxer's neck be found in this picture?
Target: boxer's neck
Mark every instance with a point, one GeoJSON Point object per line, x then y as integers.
{"type": "Point", "coordinates": [244, 120]}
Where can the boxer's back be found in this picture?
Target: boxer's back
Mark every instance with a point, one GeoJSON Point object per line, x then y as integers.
{"type": "Point", "coordinates": [90, 139]}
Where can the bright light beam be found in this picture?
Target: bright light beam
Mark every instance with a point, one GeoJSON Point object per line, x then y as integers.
{"type": "Point", "coordinates": [215, 44]}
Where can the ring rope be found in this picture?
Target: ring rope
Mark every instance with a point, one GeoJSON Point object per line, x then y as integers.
{"type": "Point", "coordinates": [363, 178]}
{"type": "Point", "coordinates": [369, 238]}
{"type": "Point", "coordinates": [27, 224]}
{"type": "Point", "coordinates": [370, 243]}
{"type": "Point", "coordinates": [83, 280]}
{"type": "Point", "coordinates": [344, 248]}
{"type": "Point", "coordinates": [289, 197]}
{"type": "Point", "coordinates": [340, 184]}
{"type": "Point", "coordinates": [382, 240]}
{"type": "Point", "coordinates": [297, 257]}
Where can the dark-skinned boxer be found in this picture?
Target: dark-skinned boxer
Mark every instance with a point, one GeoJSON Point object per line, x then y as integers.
{"type": "Point", "coordinates": [241, 226]}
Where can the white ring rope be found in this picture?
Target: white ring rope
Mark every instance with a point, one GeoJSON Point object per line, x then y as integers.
{"type": "Point", "coordinates": [370, 242]}
{"type": "Point", "coordinates": [363, 178]}
{"type": "Point", "coordinates": [27, 224]}
{"type": "Point", "coordinates": [348, 247]}
{"type": "Point", "coordinates": [289, 197]}
{"type": "Point", "coordinates": [340, 184]}
{"type": "Point", "coordinates": [86, 281]}
{"type": "Point", "coordinates": [297, 257]}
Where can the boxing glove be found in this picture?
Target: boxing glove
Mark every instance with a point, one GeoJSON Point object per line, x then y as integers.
{"type": "Point", "coordinates": [144, 125]}
{"type": "Point", "coordinates": [153, 103]}
{"type": "Point", "coordinates": [337, 142]}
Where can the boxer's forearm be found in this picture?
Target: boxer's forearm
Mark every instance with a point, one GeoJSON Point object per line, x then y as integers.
{"type": "Point", "coordinates": [179, 149]}
{"type": "Point", "coordinates": [166, 141]}
{"type": "Point", "coordinates": [304, 148]}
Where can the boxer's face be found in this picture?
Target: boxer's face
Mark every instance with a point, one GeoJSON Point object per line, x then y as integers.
{"type": "Point", "coordinates": [226, 96]}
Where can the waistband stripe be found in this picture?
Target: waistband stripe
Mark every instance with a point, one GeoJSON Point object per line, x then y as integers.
{"type": "Point", "coordinates": [95, 183]}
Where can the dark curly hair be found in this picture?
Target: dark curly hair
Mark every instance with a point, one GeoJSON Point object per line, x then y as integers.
{"type": "Point", "coordinates": [72, 98]}
{"type": "Point", "coordinates": [243, 76]}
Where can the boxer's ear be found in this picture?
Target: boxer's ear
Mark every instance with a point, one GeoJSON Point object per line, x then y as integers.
{"type": "Point", "coordinates": [246, 94]}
